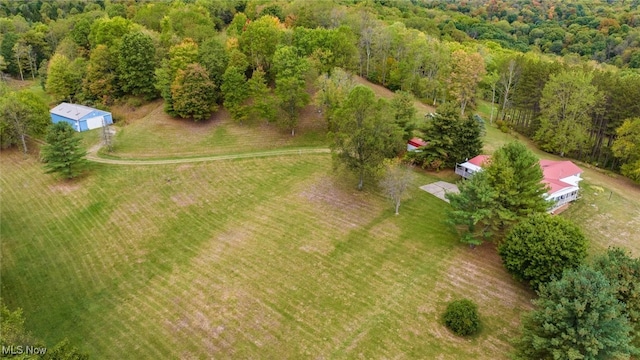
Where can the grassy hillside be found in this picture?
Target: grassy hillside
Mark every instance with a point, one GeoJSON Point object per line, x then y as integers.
{"type": "Point", "coordinates": [157, 135]}
{"type": "Point", "coordinates": [151, 133]}
{"type": "Point", "coordinates": [275, 257]}
{"type": "Point", "coordinates": [236, 259]}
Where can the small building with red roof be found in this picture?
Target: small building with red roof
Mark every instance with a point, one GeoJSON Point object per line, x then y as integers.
{"type": "Point", "coordinates": [470, 167]}
{"type": "Point", "coordinates": [560, 177]}
{"type": "Point", "coordinates": [415, 143]}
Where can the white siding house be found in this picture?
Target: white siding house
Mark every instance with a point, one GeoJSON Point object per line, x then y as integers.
{"type": "Point", "coordinates": [561, 177]}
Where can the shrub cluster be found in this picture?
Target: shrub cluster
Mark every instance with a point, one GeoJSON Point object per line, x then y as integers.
{"type": "Point", "coordinates": [502, 126]}
{"type": "Point", "coordinates": [461, 317]}
{"type": "Point", "coordinates": [541, 247]}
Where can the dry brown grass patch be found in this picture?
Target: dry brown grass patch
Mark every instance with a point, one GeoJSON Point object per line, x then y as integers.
{"type": "Point", "coordinates": [131, 114]}
{"type": "Point", "coordinates": [64, 187]}
{"type": "Point", "coordinates": [183, 200]}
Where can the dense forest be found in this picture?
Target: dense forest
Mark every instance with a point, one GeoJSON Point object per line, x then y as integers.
{"type": "Point", "coordinates": [565, 73]}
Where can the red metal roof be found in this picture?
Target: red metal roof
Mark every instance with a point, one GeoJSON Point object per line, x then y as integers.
{"type": "Point", "coordinates": [552, 171]}
{"type": "Point", "coordinates": [479, 160]}
{"type": "Point", "coordinates": [417, 142]}
{"type": "Point", "coordinates": [559, 169]}
{"type": "Point", "coordinates": [555, 185]}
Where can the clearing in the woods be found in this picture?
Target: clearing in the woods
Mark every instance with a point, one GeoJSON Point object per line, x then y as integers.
{"type": "Point", "coordinates": [275, 257]}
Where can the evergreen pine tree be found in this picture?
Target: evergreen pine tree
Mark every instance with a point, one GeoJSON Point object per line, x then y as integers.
{"type": "Point", "coordinates": [63, 154]}
{"type": "Point", "coordinates": [452, 139]}
{"type": "Point", "coordinates": [473, 208]}
{"type": "Point", "coordinates": [404, 113]}
{"type": "Point", "coordinates": [515, 174]}
{"type": "Point", "coordinates": [577, 317]}
{"type": "Point", "coordinates": [507, 190]}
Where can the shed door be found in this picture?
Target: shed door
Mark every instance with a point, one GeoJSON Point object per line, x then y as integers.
{"type": "Point", "coordinates": [94, 123]}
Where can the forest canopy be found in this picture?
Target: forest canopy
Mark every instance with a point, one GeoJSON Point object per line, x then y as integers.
{"type": "Point", "coordinates": [513, 53]}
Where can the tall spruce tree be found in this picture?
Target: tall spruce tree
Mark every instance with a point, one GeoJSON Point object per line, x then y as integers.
{"type": "Point", "coordinates": [472, 208]}
{"type": "Point", "coordinates": [63, 154]}
{"type": "Point", "coordinates": [515, 174]}
{"type": "Point", "coordinates": [508, 189]}
{"type": "Point", "coordinates": [577, 317]}
{"type": "Point", "coordinates": [452, 139]}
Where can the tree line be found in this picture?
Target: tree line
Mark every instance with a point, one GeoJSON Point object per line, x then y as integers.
{"type": "Point", "coordinates": [574, 111]}
{"type": "Point", "coordinates": [260, 61]}
{"type": "Point", "coordinates": [605, 31]}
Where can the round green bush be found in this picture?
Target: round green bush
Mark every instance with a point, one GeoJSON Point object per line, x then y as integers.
{"type": "Point", "coordinates": [540, 247]}
{"type": "Point", "coordinates": [461, 317]}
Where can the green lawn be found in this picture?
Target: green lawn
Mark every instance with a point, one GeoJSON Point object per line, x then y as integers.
{"type": "Point", "coordinates": [608, 211]}
{"type": "Point", "coordinates": [32, 86]}
{"type": "Point", "coordinates": [275, 258]}
{"type": "Point", "coordinates": [157, 135]}
{"type": "Point", "coordinates": [257, 258]}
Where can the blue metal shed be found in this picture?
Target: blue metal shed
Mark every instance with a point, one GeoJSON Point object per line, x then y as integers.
{"type": "Point", "coordinates": [80, 117]}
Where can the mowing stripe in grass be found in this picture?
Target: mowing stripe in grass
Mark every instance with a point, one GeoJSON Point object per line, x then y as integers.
{"type": "Point", "coordinates": [233, 259]}
{"type": "Point", "coordinates": [186, 160]}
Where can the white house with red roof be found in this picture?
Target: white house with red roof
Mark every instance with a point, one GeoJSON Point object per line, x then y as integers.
{"type": "Point", "coordinates": [561, 178]}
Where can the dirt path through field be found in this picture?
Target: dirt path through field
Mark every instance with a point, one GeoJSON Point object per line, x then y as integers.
{"type": "Point", "coordinates": [93, 156]}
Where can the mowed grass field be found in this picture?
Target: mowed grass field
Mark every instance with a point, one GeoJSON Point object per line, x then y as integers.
{"type": "Point", "coordinates": [151, 133]}
{"type": "Point", "coordinates": [266, 258]}
{"type": "Point", "coordinates": [274, 257]}
{"type": "Point", "coordinates": [157, 135]}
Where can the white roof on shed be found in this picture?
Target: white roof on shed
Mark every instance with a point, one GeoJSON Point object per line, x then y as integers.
{"type": "Point", "coordinates": [470, 166]}
{"type": "Point", "coordinates": [72, 111]}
